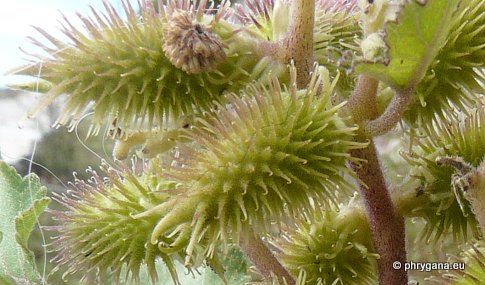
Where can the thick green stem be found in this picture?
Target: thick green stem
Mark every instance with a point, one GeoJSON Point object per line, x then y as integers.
{"type": "Point", "coordinates": [298, 43]}
{"type": "Point", "coordinates": [264, 260]}
{"type": "Point", "coordinates": [387, 226]}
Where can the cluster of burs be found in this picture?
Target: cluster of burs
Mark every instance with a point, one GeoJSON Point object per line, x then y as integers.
{"type": "Point", "coordinates": [229, 145]}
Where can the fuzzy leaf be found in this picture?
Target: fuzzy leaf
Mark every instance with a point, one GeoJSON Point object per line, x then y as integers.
{"type": "Point", "coordinates": [413, 42]}
{"type": "Point", "coordinates": [22, 200]}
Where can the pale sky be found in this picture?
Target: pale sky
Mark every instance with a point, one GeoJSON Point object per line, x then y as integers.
{"type": "Point", "coordinates": [18, 16]}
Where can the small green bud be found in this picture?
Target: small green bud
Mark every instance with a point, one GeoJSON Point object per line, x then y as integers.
{"type": "Point", "coordinates": [377, 13]}
{"type": "Point", "coordinates": [374, 48]}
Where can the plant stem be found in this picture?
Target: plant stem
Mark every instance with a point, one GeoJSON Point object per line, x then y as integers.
{"type": "Point", "coordinates": [386, 225]}
{"type": "Point", "coordinates": [264, 260]}
{"type": "Point", "coordinates": [298, 42]}
{"type": "Point", "coordinates": [391, 115]}
{"type": "Point", "coordinates": [363, 102]}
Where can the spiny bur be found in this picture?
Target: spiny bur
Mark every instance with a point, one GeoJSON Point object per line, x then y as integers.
{"type": "Point", "coordinates": [150, 67]}
{"type": "Point", "coordinates": [98, 234]}
{"type": "Point", "coordinates": [455, 76]}
{"type": "Point", "coordinates": [331, 247]}
{"type": "Point", "coordinates": [261, 160]}
{"type": "Point", "coordinates": [444, 206]}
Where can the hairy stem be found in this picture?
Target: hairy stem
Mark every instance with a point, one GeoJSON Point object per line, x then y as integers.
{"type": "Point", "coordinates": [386, 225]}
{"type": "Point", "coordinates": [298, 43]}
{"type": "Point", "coordinates": [391, 115]}
{"type": "Point", "coordinates": [363, 102]}
{"type": "Point", "coordinates": [264, 260]}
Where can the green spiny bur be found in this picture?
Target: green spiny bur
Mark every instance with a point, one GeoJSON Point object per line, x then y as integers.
{"type": "Point", "coordinates": [454, 78]}
{"type": "Point", "coordinates": [122, 66]}
{"type": "Point", "coordinates": [98, 234]}
{"type": "Point", "coordinates": [332, 247]}
{"type": "Point", "coordinates": [440, 207]}
{"type": "Point", "coordinates": [471, 269]}
{"type": "Point", "coordinates": [258, 161]}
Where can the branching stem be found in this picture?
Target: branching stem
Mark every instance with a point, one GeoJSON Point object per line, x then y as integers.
{"type": "Point", "coordinates": [264, 260]}
{"type": "Point", "coordinates": [386, 224]}
{"type": "Point", "coordinates": [392, 115]}
{"type": "Point", "coordinates": [297, 45]}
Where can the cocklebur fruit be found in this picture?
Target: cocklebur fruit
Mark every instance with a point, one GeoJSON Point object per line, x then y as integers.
{"type": "Point", "coordinates": [456, 75]}
{"type": "Point", "coordinates": [264, 158]}
{"type": "Point", "coordinates": [333, 247]}
{"type": "Point", "coordinates": [473, 186]}
{"type": "Point", "coordinates": [470, 181]}
{"type": "Point", "coordinates": [436, 188]}
{"type": "Point", "coordinates": [97, 233]}
{"type": "Point", "coordinates": [149, 68]}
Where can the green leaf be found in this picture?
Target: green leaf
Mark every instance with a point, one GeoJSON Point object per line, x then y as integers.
{"type": "Point", "coordinates": [25, 222]}
{"type": "Point", "coordinates": [413, 42]}
{"type": "Point", "coordinates": [22, 200]}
